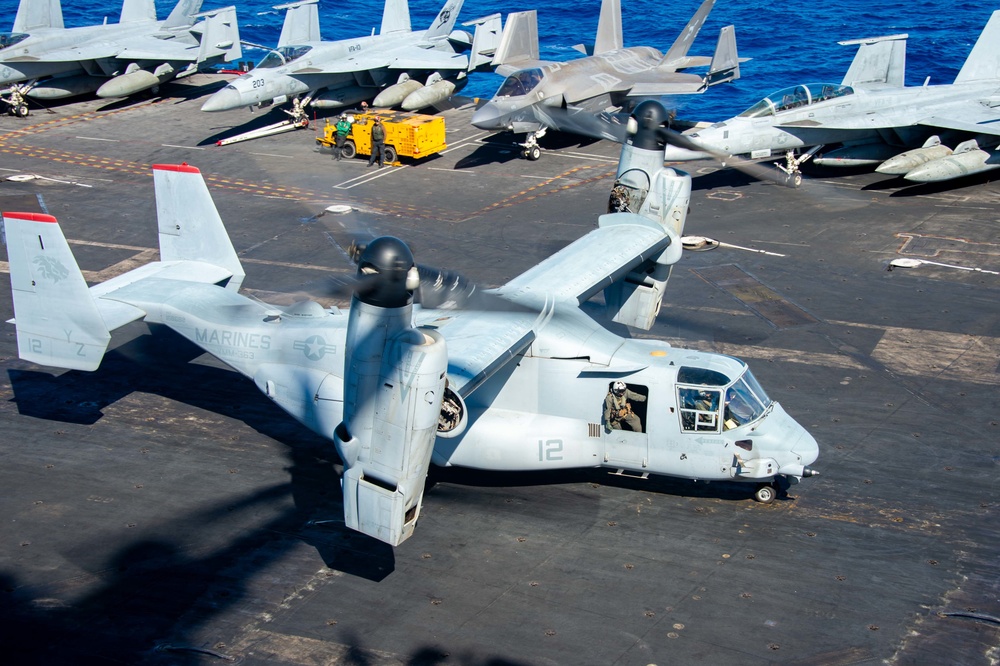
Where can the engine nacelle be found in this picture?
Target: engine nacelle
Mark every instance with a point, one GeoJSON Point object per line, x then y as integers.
{"type": "Point", "coordinates": [388, 435]}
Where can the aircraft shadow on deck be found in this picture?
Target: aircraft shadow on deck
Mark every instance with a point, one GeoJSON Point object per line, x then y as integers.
{"type": "Point", "coordinates": [153, 598]}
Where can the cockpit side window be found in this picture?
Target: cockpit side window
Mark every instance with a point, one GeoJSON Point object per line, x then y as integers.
{"type": "Point", "coordinates": [794, 97]}
{"type": "Point", "coordinates": [271, 60]}
{"type": "Point", "coordinates": [8, 39]}
{"type": "Point", "coordinates": [520, 83]}
{"type": "Point", "coordinates": [699, 409]}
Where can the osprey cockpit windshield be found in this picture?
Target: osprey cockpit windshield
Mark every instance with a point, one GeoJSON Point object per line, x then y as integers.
{"type": "Point", "coordinates": [283, 56]}
{"type": "Point", "coordinates": [8, 39]}
{"type": "Point", "coordinates": [520, 83]}
{"type": "Point", "coordinates": [710, 401]}
{"type": "Point", "coordinates": [794, 97]}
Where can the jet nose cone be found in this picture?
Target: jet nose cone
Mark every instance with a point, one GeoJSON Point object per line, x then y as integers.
{"type": "Point", "coordinates": [224, 100]}
{"type": "Point", "coordinates": [488, 117]}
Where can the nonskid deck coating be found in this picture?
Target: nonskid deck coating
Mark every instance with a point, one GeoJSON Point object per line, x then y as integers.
{"type": "Point", "coordinates": [161, 505]}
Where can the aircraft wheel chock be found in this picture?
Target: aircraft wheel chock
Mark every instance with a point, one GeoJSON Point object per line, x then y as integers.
{"type": "Point", "coordinates": [765, 493]}
{"type": "Point", "coordinates": [349, 150]}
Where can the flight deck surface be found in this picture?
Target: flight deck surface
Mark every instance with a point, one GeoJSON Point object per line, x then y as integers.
{"type": "Point", "coordinates": [162, 510]}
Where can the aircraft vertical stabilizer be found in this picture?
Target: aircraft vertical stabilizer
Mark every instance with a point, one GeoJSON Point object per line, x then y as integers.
{"type": "Point", "coordinates": [138, 10]}
{"type": "Point", "coordinates": [609, 27]}
{"type": "Point", "coordinates": [679, 49]}
{"type": "Point", "coordinates": [221, 35]}
{"type": "Point", "coordinates": [58, 323]}
{"type": "Point", "coordinates": [984, 61]}
{"type": "Point", "coordinates": [34, 14]}
{"type": "Point", "coordinates": [726, 61]}
{"type": "Point", "coordinates": [444, 22]}
{"type": "Point", "coordinates": [189, 223]}
{"type": "Point", "coordinates": [301, 23]}
{"type": "Point", "coordinates": [519, 40]}
{"type": "Point", "coordinates": [180, 15]}
{"type": "Point", "coordinates": [395, 17]}
{"type": "Point", "coordinates": [880, 60]}
{"type": "Point", "coordinates": [485, 40]}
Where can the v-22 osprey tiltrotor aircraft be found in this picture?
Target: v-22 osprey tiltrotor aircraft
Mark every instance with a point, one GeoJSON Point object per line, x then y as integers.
{"type": "Point", "coordinates": [517, 381]}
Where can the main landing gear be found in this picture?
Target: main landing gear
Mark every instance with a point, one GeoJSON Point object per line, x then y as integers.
{"type": "Point", "coordinates": [792, 166]}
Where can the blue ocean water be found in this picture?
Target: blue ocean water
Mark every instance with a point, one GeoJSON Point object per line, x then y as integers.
{"type": "Point", "coordinates": [789, 41]}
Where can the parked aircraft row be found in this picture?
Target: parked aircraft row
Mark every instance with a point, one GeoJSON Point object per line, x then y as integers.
{"type": "Point", "coordinates": [923, 133]}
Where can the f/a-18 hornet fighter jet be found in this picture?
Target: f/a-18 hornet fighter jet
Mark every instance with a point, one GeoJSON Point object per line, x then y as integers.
{"type": "Point", "coordinates": [398, 66]}
{"type": "Point", "coordinates": [922, 133]}
{"type": "Point", "coordinates": [515, 378]}
{"type": "Point", "coordinates": [539, 95]}
{"type": "Point", "coordinates": [113, 59]}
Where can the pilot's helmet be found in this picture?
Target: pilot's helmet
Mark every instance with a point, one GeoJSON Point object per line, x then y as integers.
{"type": "Point", "coordinates": [618, 388]}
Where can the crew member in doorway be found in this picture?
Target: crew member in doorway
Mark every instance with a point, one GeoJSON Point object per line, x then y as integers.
{"type": "Point", "coordinates": [343, 129]}
{"type": "Point", "coordinates": [378, 143]}
{"type": "Point", "coordinates": [618, 414]}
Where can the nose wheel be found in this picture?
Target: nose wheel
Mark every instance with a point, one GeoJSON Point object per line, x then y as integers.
{"type": "Point", "coordinates": [530, 149]}
{"type": "Point", "coordinates": [768, 492]}
{"type": "Point", "coordinates": [765, 493]}
{"type": "Point", "coordinates": [792, 167]}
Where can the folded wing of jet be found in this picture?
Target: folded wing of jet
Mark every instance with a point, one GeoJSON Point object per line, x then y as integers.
{"type": "Point", "coordinates": [116, 59]}
{"type": "Point", "coordinates": [397, 66]}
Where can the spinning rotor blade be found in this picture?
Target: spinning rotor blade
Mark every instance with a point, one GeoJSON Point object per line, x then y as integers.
{"type": "Point", "coordinates": [608, 126]}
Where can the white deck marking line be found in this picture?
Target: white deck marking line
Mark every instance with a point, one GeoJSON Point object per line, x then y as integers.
{"type": "Point", "coordinates": [573, 156]}
{"type": "Point", "coordinates": [95, 138]}
{"type": "Point", "coordinates": [171, 145]}
{"type": "Point", "coordinates": [381, 173]}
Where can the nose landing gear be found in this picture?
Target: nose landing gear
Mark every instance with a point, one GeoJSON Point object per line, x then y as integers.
{"type": "Point", "coordinates": [768, 492]}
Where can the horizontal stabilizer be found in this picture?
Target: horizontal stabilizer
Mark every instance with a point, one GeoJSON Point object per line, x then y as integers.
{"type": "Point", "coordinates": [879, 60]}
{"type": "Point", "coordinates": [58, 323]}
{"type": "Point", "coordinates": [984, 60]}
{"type": "Point", "coordinates": [669, 83]}
{"type": "Point", "coordinates": [519, 41]}
{"type": "Point", "coordinates": [301, 23]}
